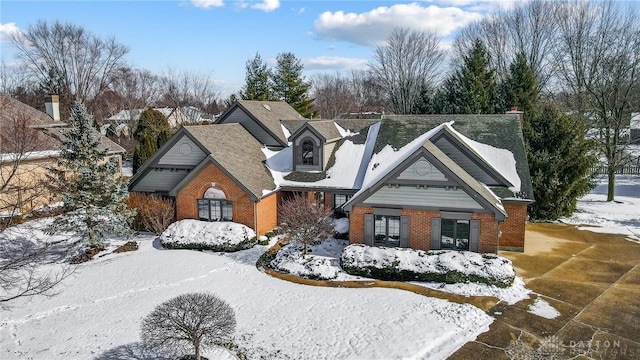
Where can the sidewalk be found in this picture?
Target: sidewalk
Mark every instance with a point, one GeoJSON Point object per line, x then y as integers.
{"type": "Point", "coordinates": [592, 280]}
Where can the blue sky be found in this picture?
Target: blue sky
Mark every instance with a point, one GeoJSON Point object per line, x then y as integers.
{"type": "Point", "coordinates": [219, 36]}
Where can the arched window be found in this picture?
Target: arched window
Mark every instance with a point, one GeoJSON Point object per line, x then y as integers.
{"type": "Point", "coordinates": [214, 206]}
{"type": "Point", "coordinates": [307, 152]}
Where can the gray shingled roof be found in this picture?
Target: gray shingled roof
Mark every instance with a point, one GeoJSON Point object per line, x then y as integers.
{"type": "Point", "coordinates": [356, 125]}
{"type": "Point", "coordinates": [500, 130]}
{"type": "Point", "coordinates": [236, 151]}
{"type": "Point", "coordinates": [48, 129]}
{"type": "Point", "coordinates": [271, 114]}
{"type": "Point", "coordinates": [326, 128]}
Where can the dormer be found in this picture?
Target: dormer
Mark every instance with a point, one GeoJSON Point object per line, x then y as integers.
{"type": "Point", "coordinates": [313, 144]}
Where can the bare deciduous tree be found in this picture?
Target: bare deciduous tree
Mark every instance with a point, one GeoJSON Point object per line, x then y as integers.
{"type": "Point", "coordinates": [24, 263]}
{"type": "Point", "coordinates": [82, 62]}
{"type": "Point", "coordinates": [29, 268]}
{"type": "Point", "coordinates": [188, 88]}
{"type": "Point", "coordinates": [193, 321]}
{"type": "Point", "coordinates": [366, 93]}
{"type": "Point", "coordinates": [405, 65]}
{"type": "Point", "coordinates": [528, 28]}
{"type": "Point", "coordinates": [305, 220]}
{"type": "Point", "coordinates": [22, 183]}
{"type": "Point", "coordinates": [599, 67]}
{"type": "Point", "coordinates": [332, 93]}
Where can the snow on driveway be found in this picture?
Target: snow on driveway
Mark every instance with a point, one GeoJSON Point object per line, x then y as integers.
{"type": "Point", "coordinates": [101, 307]}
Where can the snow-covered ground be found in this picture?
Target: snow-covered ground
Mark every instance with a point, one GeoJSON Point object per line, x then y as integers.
{"type": "Point", "coordinates": [98, 311]}
{"type": "Point", "coordinates": [621, 216]}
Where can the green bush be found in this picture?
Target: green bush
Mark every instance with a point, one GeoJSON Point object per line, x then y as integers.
{"type": "Point", "coordinates": [224, 247]}
{"type": "Point", "coordinates": [392, 273]}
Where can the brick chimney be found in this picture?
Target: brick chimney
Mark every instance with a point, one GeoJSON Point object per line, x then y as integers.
{"type": "Point", "coordinates": [52, 106]}
{"type": "Point", "coordinates": [514, 111]}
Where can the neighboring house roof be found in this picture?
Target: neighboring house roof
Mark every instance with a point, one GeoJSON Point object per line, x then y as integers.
{"type": "Point", "coordinates": [267, 113]}
{"type": "Point", "coordinates": [235, 151]}
{"type": "Point", "coordinates": [48, 135]}
{"type": "Point", "coordinates": [175, 116]}
{"type": "Point", "coordinates": [503, 131]}
{"type": "Point", "coordinates": [105, 143]}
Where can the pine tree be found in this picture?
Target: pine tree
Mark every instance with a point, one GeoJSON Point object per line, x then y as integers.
{"type": "Point", "coordinates": [520, 88]}
{"type": "Point", "coordinates": [289, 84]}
{"type": "Point", "coordinates": [257, 81]}
{"type": "Point", "coordinates": [94, 198]}
{"type": "Point", "coordinates": [560, 162]}
{"type": "Point", "coordinates": [151, 133]}
{"type": "Point", "coordinates": [471, 89]}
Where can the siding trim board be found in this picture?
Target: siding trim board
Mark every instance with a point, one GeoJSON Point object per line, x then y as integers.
{"type": "Point", "coordinates": [153, 161]}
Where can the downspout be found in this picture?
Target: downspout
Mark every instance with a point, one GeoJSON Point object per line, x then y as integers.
{"type": "Point", "coordinates": [255, 217]}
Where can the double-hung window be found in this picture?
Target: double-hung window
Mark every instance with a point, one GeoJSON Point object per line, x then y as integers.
{"type": "Point", "coordinates": [386, 230]}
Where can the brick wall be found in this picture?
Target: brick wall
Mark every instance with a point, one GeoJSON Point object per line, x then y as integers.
{"type": "Point", "coordinates": [186, 200]}
{"type": "Point", "coordinates": [514, 227]}
{"type": "Point", "coordinates": [420, 228]}
{"type": "Point", "coordinates": [267, 214]}
{"type": "Point", "coordinates": [488, 232]}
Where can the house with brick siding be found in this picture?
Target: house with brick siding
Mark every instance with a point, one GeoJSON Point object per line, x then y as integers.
{"type": "Point", "coordinates": [456, 182]}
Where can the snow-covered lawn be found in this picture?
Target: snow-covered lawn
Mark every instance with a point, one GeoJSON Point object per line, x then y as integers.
{"type": "Point", "coordinates": [621, 216]}
{"type": "Point", "coordinates": [98, 311]}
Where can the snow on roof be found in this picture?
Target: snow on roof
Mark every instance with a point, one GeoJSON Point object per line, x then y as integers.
{"type": "Point", "coordinates": [285, 131]}
{"type": "Point", "coordinates": [344, 132]}
{"type": "Point", "coordinates": [31, 155]}
{"type": "Point", "coordinates": [389, 158]}
{"type": "Point", "coordinates": [501, 160]}
{"type": "Point", "coordinates": [341, 175]}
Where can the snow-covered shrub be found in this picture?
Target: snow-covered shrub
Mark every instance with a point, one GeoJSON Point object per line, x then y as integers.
{"type": "Point", "coordinates": [289, 260]}
{"type": "Point", "coordinates": [203, 235]}
{"type": "Point", "coordinates": [155, 213]}
{"type": "Point", "coordinates": [401, 264]}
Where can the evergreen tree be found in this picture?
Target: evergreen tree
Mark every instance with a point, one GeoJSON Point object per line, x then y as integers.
{"type": "Point", "coordinates": [152, 131]}
{"type": "Point", "coordinates": [94, 198]}
{"type": "Point", "coordinates": [471, 89]}
{"type": "Point", "coordinates": [257, 81]}
{"type": "Point", "coordinates": [289, 84]}
{"type": "Point", "coordinates": [560, 162]}
{"type": "Point", "coordinates": [520, 88]}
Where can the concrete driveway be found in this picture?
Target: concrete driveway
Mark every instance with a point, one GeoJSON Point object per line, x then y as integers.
{"type": "Point", "coordinates": [592, 280]}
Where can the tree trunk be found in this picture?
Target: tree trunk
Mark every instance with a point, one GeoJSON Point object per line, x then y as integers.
{"type": "Point", "coordinates": [197, 346]}
{"type": "Point", "coordinates": [611, 190]}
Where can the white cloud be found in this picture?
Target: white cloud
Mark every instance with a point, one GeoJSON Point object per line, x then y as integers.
{"type": "Point", "coordinates": [6, 30]}
{"type": "Point", "coordinates": [373, 27]}
{"type": "Point", "coordinates": [205, 4]}
{"type": "Point", "coordinates": [333, 62]}
{"type": "Point", "coordinates": [267, 5]}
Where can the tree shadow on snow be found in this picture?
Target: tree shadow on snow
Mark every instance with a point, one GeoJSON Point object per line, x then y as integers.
{"type": "Point", "coordinates": [133, 351]}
